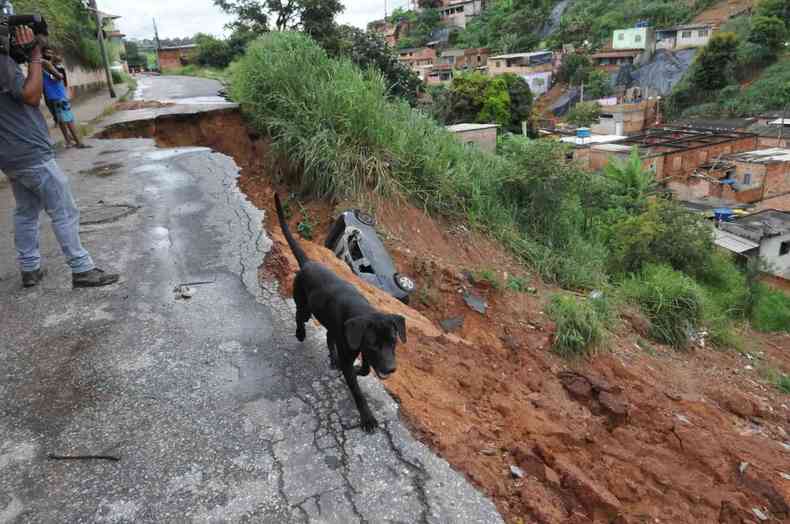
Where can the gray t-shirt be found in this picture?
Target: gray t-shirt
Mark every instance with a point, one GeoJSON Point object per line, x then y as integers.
{"type": "Point", "coordinates": [24, 135]}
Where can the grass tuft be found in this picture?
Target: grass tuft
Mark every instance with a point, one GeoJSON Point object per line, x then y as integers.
{"type": "Point", "coordinates": [579, 326]}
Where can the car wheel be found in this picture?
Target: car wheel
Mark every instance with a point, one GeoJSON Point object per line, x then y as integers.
{"type": "Point", "coordinates": [405, 283]}
{"type": "Point", "coordinates": [365, 218]}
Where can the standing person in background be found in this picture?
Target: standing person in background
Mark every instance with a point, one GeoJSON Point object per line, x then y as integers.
{"type": "Point", "coordinates": [57, 99]}
{"type": "Point", "coordinates": [48, 56]}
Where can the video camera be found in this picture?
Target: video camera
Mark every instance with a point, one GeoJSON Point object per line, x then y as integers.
{"type": "Point", "coordinates": [8, 24]}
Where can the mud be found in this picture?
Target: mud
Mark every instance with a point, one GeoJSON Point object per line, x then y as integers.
{"type": "Point", "coordinates": [638, 433]}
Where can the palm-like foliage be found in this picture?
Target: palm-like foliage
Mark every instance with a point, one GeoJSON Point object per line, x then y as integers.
{"type": "Point", "coordinates": [635, 182]}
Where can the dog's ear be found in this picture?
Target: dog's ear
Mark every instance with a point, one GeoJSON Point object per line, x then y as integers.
{"type": "Point", "coordinates": [355, 329]}
{"type": "Point", "coordinates": [400, 325]}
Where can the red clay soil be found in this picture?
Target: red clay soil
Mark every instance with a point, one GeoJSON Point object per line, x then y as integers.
{"type": "Point", "coordinates": [723, 10]}
{"type": "Point", "coordinates": [637, 433]}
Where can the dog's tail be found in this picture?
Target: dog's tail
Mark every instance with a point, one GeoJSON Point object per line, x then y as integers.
{"type": "Point", "coordinates": [299, 253]}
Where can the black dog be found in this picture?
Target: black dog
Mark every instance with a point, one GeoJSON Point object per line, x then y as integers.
{"type": "Point", "coordinates": [353, 325]}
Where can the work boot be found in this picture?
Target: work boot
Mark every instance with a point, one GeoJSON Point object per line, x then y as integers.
{"type": "Point", "coordinates": [32, 278]}
{"type": "Point", "coordinates": [94, 278]}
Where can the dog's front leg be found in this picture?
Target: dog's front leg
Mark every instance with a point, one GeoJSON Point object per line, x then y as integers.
{"type": "Point", "coordinates": [368, 421]}
{"type": "Point", "coordinates": [330, 343]}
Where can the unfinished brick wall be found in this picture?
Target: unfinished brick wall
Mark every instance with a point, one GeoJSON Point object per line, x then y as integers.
{"type": "Point", "coordinates": [681, 164]}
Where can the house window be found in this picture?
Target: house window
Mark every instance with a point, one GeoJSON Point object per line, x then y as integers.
{"type": "Point", "coordinates": [685, 34]}
{"type": "Point", "coordinates": [703, 33]}
{"type": "Point", "coordinates": [539, 82]}
{"type": "Point", "coordinates": [747, 179]}
{"type": "Point", "coordinates": [638, 38]}
{"type": "Point", "coordinates": [784, 248]}
{"type": "Point", "coordinates": [621, 36]}
{"type": "Point", "coordinates": [677, 163]}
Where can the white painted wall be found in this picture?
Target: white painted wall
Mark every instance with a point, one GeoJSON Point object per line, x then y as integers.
{"type": "Point", "coordinates": [539, 83]}
{"type": "Point", "coordinates": [769, 251]}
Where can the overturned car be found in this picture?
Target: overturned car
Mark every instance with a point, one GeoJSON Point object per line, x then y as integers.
{"type": "Point", "coordinates": [354, 240]}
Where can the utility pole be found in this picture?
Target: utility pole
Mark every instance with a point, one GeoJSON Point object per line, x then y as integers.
{"type": "Point", "coordinates": [158, 46]}
{"type": "Point", "coordinates": [385, 9]}
{"type": "Point", "coordinates": [104, 57]}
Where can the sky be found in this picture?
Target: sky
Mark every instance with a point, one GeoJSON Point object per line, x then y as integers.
{"type": "Point", "coordinates": [179, 18]}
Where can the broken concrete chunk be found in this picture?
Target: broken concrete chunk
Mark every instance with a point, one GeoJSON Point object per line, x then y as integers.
{"type": "Point", "coordinates": [476, 302]}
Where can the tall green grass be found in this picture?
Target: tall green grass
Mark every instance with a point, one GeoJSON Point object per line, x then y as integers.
{"type": "Point", "coordinates": [672, 301]}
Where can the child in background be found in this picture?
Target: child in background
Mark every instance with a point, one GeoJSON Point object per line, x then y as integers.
{"type": "Point", "coordinates": [57, 99]}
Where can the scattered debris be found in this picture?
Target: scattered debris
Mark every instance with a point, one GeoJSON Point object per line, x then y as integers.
{"type": "Point", "coordinates": [784, 476]}
{"type": "Point", "coordinates": [52, 456]}
{"type": "Point", "coordinates": [488, 451]}
{"type": "Point", "coordinates": [184, 292]}
{"type": "Point", "coordinates": [476, 302]}
{"type": "Point", "coordinates": [742, 467]}
{"type": "Point", "coordinates": [682, 418]}
{"type": "Point", "coordinates": [516, 472]}
{"type": "Point", "coordinates": [759, 514]}
{"type": "Point", "coordinates": [452, 324]}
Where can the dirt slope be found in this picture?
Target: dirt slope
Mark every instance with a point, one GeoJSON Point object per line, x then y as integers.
{"type": "Point", "coordinates": [638, 433]}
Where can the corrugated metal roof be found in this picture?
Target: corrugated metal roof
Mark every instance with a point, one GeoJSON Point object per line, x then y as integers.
{"type": "Point", "coordinates": [734, 243]}
{"type": "Point", "coordinates": [460, 128]}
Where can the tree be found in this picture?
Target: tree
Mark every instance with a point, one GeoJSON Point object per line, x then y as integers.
{"type": "Point", "coordinates": [369, 50]}
{"type": "Point", "coordinates": [584, 114]}
{"type": "Point", "coordinates": [520, 101]}
{"type": "Point", "coordinates": [313, 16]}
{"type": "Point", "coordinates": [574, 69]}
{"type": "Point", "coordinates": [598, 85]}
{"type": "Point", "coordinates": [777, 8]}
{"type": "Point", "coordinates": [768, 31]}
{"type": "Point", "coordinates": [133, 56]}
{"type": "Point", "coordinates": [213, 52]}
{"type": "Point", "coordinates": [713, 67]}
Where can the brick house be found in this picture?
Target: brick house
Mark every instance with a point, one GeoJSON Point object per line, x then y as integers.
{"type": "Point", "coordinates": [676, 155]}
{"type": "Point", "coordinates": [177, 56]}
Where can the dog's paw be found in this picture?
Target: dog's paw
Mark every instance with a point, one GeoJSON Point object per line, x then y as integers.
{"type": "Point", "coordinates": [362, 371]}
{"type": "Point", "coordinates": [369, 424]}
{"type": "Point", "coordinates": [301, 334]}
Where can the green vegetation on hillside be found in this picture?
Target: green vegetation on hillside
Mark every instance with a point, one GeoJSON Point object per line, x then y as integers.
{"type": "Point", "coordinates": [594, 20]}
{"type": "Point", "coordinates": [71, 27]}
{"type": "Point", "coordinates": [749, 49]}
{"type": "Point", "coordinates": [584, 232]}
{"type": "Point", "coordinates": [474, 97]}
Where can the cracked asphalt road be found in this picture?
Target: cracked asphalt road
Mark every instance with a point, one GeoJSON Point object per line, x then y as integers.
{"type": "Point", "coordinates": [216, 411]}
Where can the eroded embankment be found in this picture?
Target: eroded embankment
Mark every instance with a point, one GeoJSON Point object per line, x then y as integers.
{"type": "Point", "coordinates": [628, 436]}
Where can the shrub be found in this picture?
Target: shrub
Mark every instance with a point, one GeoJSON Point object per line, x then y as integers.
{"type": "Point", "coordinates": [768, 31]}
{"type": "Point", "coordinates": [579, 328]}
{"type": "Point", "coordinates": [713, 65]}
{"type": "Point", "coordinates": [771, 310]}
{"type": "Point", "coordinates": [117, 77]}
{"type": "Point", "coordinates": [672, 302]}
{"type": "Point", "coordinates": [663, 233]}
{"type": "Point", "coordinates": [584, 114]}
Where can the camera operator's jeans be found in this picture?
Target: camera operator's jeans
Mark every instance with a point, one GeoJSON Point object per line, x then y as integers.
{"type": "Point", "coordinates": [45, 187]}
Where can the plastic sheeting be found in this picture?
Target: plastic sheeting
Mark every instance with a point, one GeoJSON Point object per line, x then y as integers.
{"type": "Point", "coordinates": [566, 101]}
{"type": "Point", "coordinates": [662, 73]}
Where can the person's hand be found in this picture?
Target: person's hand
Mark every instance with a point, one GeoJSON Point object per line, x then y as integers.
{"type": "Point", "coordinates": [24, 36]}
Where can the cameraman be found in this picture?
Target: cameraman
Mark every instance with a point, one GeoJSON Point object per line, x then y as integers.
{"type": "Point", "coordinates": [28, 160]}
